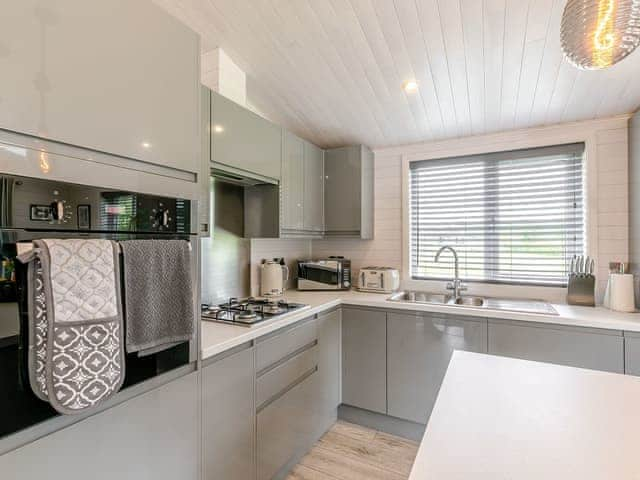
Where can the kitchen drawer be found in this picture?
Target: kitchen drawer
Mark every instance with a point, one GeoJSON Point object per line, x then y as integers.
{"type": "Point", "coordinates": [285, 430]}
{"type": "Point", "coordinates": [274, 349]}
{"type": "Point", "coordinates": [280, 378]}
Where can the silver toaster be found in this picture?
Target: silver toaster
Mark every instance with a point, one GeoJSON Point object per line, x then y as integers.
{"type": "Point", "coordinates": [378, 279]}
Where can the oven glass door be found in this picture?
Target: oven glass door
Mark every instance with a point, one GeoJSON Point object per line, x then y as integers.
{"type": "Point", "coordinates": [19, 407]}
{"type": "Point", "coordinates": [32, 209]}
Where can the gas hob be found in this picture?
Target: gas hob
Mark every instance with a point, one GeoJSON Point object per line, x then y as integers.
{"type": "Point", "coordinates": [248, 311]}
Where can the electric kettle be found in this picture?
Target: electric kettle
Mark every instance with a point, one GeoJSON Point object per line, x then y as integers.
{"type": "Point", "coordinates": [273, 275]}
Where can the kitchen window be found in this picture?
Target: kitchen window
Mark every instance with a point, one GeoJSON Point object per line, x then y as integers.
{"type": "Point", "coordinates": [514, 217]}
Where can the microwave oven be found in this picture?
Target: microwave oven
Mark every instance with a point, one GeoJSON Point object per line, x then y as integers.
{"type": "Point", "coordinates": [333, 273]}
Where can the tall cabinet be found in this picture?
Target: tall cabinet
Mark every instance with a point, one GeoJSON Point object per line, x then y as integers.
{"type": "Point", "coordinates": [83, 73]}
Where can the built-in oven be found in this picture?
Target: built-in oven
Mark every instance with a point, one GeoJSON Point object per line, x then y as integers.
{"type": "Point", "coordinates": [34, 209]}
{"type": "Point", "coordinates": [333, 273]}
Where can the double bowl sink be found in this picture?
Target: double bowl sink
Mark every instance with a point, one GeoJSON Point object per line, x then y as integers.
{"type": "Point", "coordinates": [490, 303]}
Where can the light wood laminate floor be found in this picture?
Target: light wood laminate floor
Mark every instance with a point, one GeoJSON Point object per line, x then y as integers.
{"type": "Point", "coordinates": [352, 452]}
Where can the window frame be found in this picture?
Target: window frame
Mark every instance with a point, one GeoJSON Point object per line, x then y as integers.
{"type": "Point", "coordinates": [503, 142]}
{"type": "Point", "coordinates": [490, 164]}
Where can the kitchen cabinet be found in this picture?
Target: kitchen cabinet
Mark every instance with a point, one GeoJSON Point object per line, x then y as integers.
{"type": "Point", "coordinates": [419, 347]}
{"type": "Point", "coordinates": [592, 348]}
{"type": "Point", "coordinates": [329, 368]}
{"type": "Point", "coordinates": [302, 188]}
{"type": "Point", "coordinates": [82, 73]}
{"type": "Point", "coordinates": [288, 405]}
{"type": "Point", "coordinates": [313, 199]}
{"type": "Point", "coordinates": [285, 428]}
{"type": "Point", "coordinates": [632, 353]}
{"type": "Point", "coordinates": [228, 417]}
{"type": "Point", "coordinates": [153, 436]}
{"type": "Point", "coordinates": [348, 192]}
{"type": "Point", "coordinates": [364, 359]}
{"type": "Point", "coordinates": [293, 183]}
{"type": "Point", "coordinates": [243, 142]}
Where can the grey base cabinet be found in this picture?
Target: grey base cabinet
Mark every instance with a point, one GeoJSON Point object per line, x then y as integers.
{"type": "Point", "coordinates": [228, 417]}
{"type": "Point", "coordinates": [419, 347]}
{"type": "Point", "coordinates": [285, 427]}
{"type": "Point", "coordinates": [329, 369]}
{"type": "Point", "coordinates": [364, 359]}
{"type": "Point", "coordinates": [563, 345]}
{"type": "Point", "coordinates": [632, 353]}
{"type": "Point", "coordinates": [154, 436]}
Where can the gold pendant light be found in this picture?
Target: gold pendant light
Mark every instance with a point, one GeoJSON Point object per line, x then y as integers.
{"type": "Point", "coordinates": [596, 34]}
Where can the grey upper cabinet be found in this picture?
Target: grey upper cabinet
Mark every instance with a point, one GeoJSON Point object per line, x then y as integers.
{"type": "Point", "coordinates": [632, 353]}
{"type": "Point", "coordinates": [67, 76]}
{"type": "Point", "coordinates": [153, 436]}
{"type": "Point", "coordinates": [364, 359]}
{"type": "Point", "coordinates": [348, 192]}
{"type": "Point", "coordinates": [302, 203]}
{"type": "Point", "coordinates": [292, 184]}
{"type": "Point", "coordinates": [419, 347]}
{"type": "Point", "coordinates": [228, 417]}
{"type": "Point", "coordinates": [243, 142]}
{"type": "Point", "coordinates": [313, 200]}
{"type": "Point", "coordinates": [574, 346]}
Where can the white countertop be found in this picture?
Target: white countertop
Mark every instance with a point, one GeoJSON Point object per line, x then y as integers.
{"type": "Point", "coordinates": [500, 418]}
{"type": "Point", "coordinates": [217, 337]}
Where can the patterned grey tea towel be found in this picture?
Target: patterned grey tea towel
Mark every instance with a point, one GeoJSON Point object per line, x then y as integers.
{"type": "Point", "coordinates": [76, 351]}
{"type": "Point", "coordinates": [158, 294]}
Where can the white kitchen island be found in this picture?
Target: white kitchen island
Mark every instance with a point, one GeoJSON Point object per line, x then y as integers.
{"type": "Point", "coordinates": [501, 418]}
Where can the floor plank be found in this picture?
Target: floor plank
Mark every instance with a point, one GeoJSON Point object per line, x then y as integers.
{"type": "Point", "coordinates": [300, 472]}
{"type": "Point", "coordinates": [352, 452]}
{"type": "Point", "coordinates": [354, 431]}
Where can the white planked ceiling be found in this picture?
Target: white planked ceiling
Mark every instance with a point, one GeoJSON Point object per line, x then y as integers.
{"type": "Point", "coordinates": [332, 70]}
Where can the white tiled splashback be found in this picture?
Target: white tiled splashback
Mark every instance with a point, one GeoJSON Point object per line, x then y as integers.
{"type": "Point", "coordinates": [269, 248]}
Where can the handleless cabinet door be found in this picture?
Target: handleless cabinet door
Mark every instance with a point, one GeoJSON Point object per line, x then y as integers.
{"type": "Point", "coordinates": [364, 359]}
{"type": "Point", "coordinates": [285, 428]}
{"type": "Point", "coordinates": [244, 140]}
{"type": "Point", "coordinates": [419, 347]}
{"type": "Point", "coordinates": [292, 183]}
{"type": "Point", "coordinates": [116, 76]}
{"type": "Point", "coordinates": [563, 345]}
{"type": "Point", "coordinates": [329, 368]}
{"type": "Point", "coordinates": [343, 189]}
{"type": "Point", "coordinates": [313, 205]}
{"type": "Point", "coordinates": [228, 417]}
{"type": "Point", "coordinates": [632, 353]}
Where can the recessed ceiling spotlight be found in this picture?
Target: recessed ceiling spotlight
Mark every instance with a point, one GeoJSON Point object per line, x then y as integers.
{"type": "Point", "coordinates": [146, 145]}
{"type": "Point", "coordinates": [410, 86]}
{"type": "Point", "coordinates": [218, 128]}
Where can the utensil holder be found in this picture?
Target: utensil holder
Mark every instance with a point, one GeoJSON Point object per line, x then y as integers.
{"type": "Point", "coordinates": [581, 290]}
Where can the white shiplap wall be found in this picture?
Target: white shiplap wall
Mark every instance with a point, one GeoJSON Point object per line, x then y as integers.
{"type": "Point", "coordinates": [269, 248]}
{"type": "Point", "coordinates": [607, 192]}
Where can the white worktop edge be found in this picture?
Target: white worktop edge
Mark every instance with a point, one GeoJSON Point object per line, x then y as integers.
{"type": "Point", "coordinates": [218, 338]}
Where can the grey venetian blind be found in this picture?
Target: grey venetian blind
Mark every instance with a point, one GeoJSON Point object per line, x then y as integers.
{"type": "Point", "coordinates": [513, 217]}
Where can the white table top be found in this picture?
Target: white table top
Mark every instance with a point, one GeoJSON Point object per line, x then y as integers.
{"type": "Point", "coordinates": [216, 337]}
{"type": "Point", "coordinates": [500, 418]}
